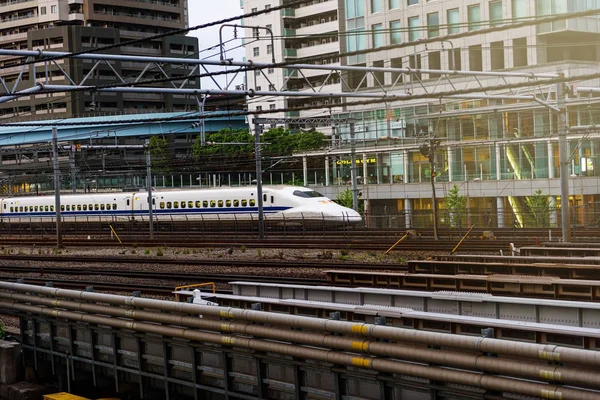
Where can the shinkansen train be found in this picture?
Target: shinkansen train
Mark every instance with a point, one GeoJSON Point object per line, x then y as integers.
{"type": "Point", "coordinates": [290, 203]}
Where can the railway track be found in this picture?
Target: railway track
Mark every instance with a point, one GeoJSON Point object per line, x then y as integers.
{"type": "Point", "coordinates": [320, 243]}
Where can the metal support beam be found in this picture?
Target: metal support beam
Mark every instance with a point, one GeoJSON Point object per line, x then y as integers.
{"type": "Point", "coordinates": [259, 191]}
{"type": "Point", "coordinates": [353, 168]}
{"type": "Point", "coordinates": [149, 188]}
{"type": "Point", "coordinates": [563, 156]}
{"type": "Point", "coordinates": [56, 187]}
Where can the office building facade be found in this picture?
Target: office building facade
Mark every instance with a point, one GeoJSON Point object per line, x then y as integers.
{"type": "Point", "coordinates": [80, 25]}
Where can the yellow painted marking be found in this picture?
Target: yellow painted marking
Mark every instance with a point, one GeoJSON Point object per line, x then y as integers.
{"type": "Point", "coordinates": [225, 328]}
{"type": "Point", "coordinates": [227, 340]}
{"type": "Point", "coordinates": [548, 394]}
{"type": "Point", "coordinates": [362, 329]}
{"type": "Point", "coordinates": [361, 362]}
{"type": "Point", "coordinates": [363, 346]}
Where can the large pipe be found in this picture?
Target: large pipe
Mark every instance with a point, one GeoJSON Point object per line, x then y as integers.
{"type": "Point", "coordinates": [487, 345]}
{"type": "Point", "coordinates": [396, 367]}
{"type": "Point", "coordinates": [538, 371]}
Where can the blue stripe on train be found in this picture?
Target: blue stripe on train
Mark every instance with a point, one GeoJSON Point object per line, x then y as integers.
{"type": "Point", "coordinates": [128, 213]}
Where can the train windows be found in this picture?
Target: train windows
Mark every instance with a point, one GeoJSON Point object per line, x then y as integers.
{"type": "Point", "coordinates": [26, 208]}
{"type": "Point", "coordinates": [85, 207]}
{"type": "Point", "coordinates": [265, 197]}
{"type": "Point", "coordinates": [52, 208]}
{"type": "Point", "coordinates": [62, 208]}
{"type": "Point", "coordinates": [46, 208]}
{"type": "Point", "coordinates": [153, 201]}
{"type": "Point", "coordinates": [244, 203]}
{"type": "Point", "coordinates": [162, 204]}
{"type": "Point", "coordinates": [272, 199]}
{"type": "Point", "coordinates": [198, 204]}
{"type": "Point", "coordinates": [205, 204]}
{"type": "Point", "coordinates": [78, 207]}
{"type": "Point", "coordinates": [168, 204]}
{"type": "Point", "coordinates": [220, 203]}
{"type": "Point", "coordinates": [12, 209]}
{"type": "Point", "coordinates": [35, 208]}
{"type": "Point", "coordinates": [183, 204]}
{"type": "Point", "coordinates": [307, 193]}
{"type": "Point", "coordinates": [114, 206]}
{"type": "Point", "coordinates": [213, 203]}
{"type": "Point", "coordinates": [236, 203]}
{"type": "Point", "coordinates": [252, 202]}
{"type": "Point", "coordinates": [227, 203]}
{"type": "Point", "coordinates": [175, 204]}
{"type": "Point", "coordinates": [190, 204]}
{"type": "Point", "coordinates": [68, 207]}
{"type": "Point", "coordinates": [96, 207]}
{"type": "Point", "coordinates": [108, 207]}
{"type": "Point", "coordinates": [90, 207]}
{"type": "Point", "coordinates": [102, 207]}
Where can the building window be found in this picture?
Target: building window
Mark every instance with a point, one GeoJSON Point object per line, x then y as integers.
{"type": "Point", "coordinates": [256, 52]}
{"type": "Point", "coordinates": [255, 33]}
{"type": "Point", "coordinates": [394, 4]}
{"type": "Point", "coordinates": [355, 25]}
{"type": "Point", "coordinates": [520, 52]}
{"type": "Point", "coordinates": [414, 27]}
{"type": "Point", "coordinates": [376, 6]}
{"type": "Point", "coordinates": [271, 87]}
{"type": "Point", "coordinates": [378, 39]}
{"type": "Point", "coordinates": [453, 21]}
{"type": "Point", "coordinates": [475, 58]}
{"type": "Point", "coordinates": [474, 17]}
{"type": "Point", "coordinates": [497, 55]}
{"type": "Point", "coordinates": [269, 49]}
{"type": "Point", "coordinates": [53, 9]}
{"type": "Point", "coordinates": [257, 72]}
{"type": "Point", "coordinates": [433, 25]}
{"type": "Point", "coordinates": [258, 88]}
{"type": "Point", "coordinates": [412, 2]}
{"type": "Point", "coordinates": [519, 9]}
{"type": "Point", "coordinates": [258, 108]}
{"type": "Point", "coordinates": [267, 6]}
{"type": "Point", "coordinates": [271, 106]}
{"type": "Point", "coordinates": [496, 16]}
{"type": "Point", "coordinates": [270, 70]}
{"type": "Point", "coordinates": [254, 9]}
{"type": "Point", "coordinates": [42, 10]}
{"type": "Point", "coordinates": [395, 33]}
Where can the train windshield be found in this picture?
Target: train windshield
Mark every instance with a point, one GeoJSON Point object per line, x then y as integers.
{"type": "Point", "coordinates": [307, 193]}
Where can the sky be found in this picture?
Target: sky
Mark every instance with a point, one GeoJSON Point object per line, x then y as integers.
{"type": "Point", "coordinates": [204, 11]}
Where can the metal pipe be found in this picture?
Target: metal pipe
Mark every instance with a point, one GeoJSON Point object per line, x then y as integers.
{"type": "Point", "coordinates": [397, 367]}
{"type": "Point", "coordinates": [488, 345]}
{"type": "Point", "coordinates": [40, 55]}
{"type": "Point", "coordinates": [538, 371]}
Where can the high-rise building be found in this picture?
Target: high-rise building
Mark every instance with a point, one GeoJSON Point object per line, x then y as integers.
{"type": "Point", "coordinates": [79, 25]}
{"type": "Point", "coordinates": [306, 30]}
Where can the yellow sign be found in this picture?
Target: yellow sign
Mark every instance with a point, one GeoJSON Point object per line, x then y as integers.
{"type": "Point", "coordinates": [358, 161]}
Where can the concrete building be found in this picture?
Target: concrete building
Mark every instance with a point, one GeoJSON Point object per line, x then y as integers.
{"type": "Point", "coordinates": [307, 30]}
{"type": "Point", "coordinates": [79, 25]}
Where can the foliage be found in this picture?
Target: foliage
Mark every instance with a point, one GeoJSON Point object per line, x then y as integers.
{"type": "Point", "coordinates": [345, 199]}
{"type": "Point", "coordinates": [2, 330]}
{"type": "Point", "coordinates": [160, 156]}
{"type": "Point", "coordinates": [225, 136]}
{"type": "Point", "coordinates": [281, 143]}
{"type": "Point", "coordinates": [457, 207]}
{"type": "Point", "coordinates": [538, 211]}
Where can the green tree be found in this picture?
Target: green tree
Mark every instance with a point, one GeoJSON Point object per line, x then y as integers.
{"type": "Point", "coordinates": [160, 155]}
{"type": "Point", "coordinates": [238, 136]}
{"type": "Point", "coordinates": [345, 199]}
{"type": "Point", "coordinates": [538, 210]}
{"type": "Point", "coordinates": [457, 207]}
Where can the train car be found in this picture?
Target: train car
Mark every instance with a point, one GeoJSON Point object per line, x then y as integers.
{"type": "Point", "coordinates": [285, 203]}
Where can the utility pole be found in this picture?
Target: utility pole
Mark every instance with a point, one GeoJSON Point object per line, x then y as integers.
{"type": "Point", "coordinates": [429, 150]}
{"type": "Point", "coordinates": [56, 187]}
{"type": "Point", "coordinates": [563, 157]}
{"type": "Point", "coordinates": [149, 188]}
{"type": "Point", "coordinates": [353, 168]}
{"type": "Point", "coordinates": [259, 194]}
{"type": "Point", "coordinates": [73, 171]}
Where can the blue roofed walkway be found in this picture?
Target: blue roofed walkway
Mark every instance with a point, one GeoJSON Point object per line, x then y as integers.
{"type": "Point", "coordinates": [124, 126]}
